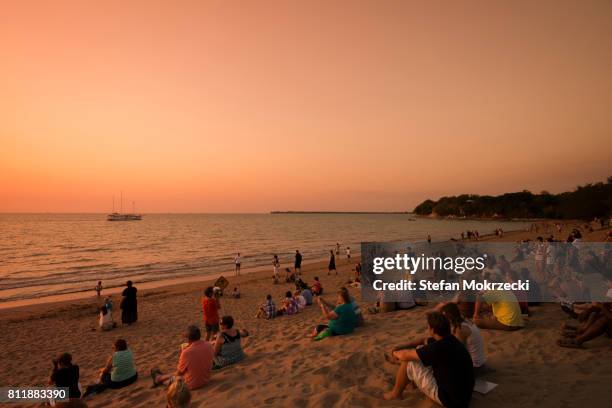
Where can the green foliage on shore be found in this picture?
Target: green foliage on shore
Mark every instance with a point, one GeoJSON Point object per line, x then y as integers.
{"type": "Point", "coordinates": [585, 202]}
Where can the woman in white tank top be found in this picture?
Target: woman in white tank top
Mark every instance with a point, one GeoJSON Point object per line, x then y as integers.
{"type": "Point", "coordinates": [467, 332]}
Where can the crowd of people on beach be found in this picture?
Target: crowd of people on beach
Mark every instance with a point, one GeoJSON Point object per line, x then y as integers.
{"type": "Point", "coordinates": [444, 363]}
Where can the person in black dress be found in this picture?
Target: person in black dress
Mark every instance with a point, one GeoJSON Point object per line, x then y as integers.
{"type": "Point", "coordinates": [129, 304]}
{"type": "Point", "coordinates": [332, 263]}
{"type": "Point", "coordinates": [298, 263]}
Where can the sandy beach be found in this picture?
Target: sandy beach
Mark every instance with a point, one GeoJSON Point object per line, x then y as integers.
{"type": "Point", "coordinates": [283, 368]}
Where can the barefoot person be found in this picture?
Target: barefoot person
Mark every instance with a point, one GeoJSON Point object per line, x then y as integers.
{"type": "Point", "coordinates": [194, 365]}
{"type": "Point", "coordinates": [598, 323]}
{"type": "Point", "coordinates": [442, 369]}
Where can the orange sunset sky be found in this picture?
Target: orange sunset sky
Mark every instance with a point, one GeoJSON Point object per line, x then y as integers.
{"type": "Point", "coordinates": [195, 106]}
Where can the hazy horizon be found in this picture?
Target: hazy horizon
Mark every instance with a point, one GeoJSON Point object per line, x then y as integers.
{"type": "Point", "coordinates": [248, 108]}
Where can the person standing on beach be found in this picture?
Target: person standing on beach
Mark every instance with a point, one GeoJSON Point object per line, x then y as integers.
{"type": "Point", "coordinates": [210, 311]}
{"type": "Point", "coordinates": [237, 264]}
{"type": "Point", "coordinates": [348, 254]}
{"type": "Point", "coordinates": [129, 304]}
{"type": "Point", "coordinates": [337, 248]}
{"type": "Point", "coordinates": [428, 239]}
{"type": "Point", "coordinates": [332, 263]}
{"type": "Point", "coordinates": [276, 265]}
{"type": "Point", "coordinates": [99, 288]}
{"type": "Point", "coordinates": [298, 263]}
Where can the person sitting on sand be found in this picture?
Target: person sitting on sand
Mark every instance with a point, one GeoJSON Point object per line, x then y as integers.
{"type": "Point", "coordinates": [342, 319]}
{"type": "Point", "coordinates": [307, 294]}
{"type": "Point", "coordinates": [106, 319]}
{"type": "Point", "coordinates": [210, 311]}
{"type": "Point", "coordinates": [66, 375]}
{"type": "Point", "coordinates": [442, 369]}
{"type": "Point", "coordinates": [268, 310]}
{"type": "Point", "coordinates": [506, 311]}
{"type": "Point", "coordinates": [317, 288]}
{"type": "Point", "coordinates": [289, 275]}
{"type": "Point", "coordinates": [301, 301]}
{"type": "Point", "coordinates": [195, 362]}
{"type": "Point", "coordinates": [178, 395]}
{"type": "Point", "coordinates": [598, 323]}
{"type": "Point", "coordinates": [236, 292]}
{"type": "Point", "coordinates": [468, 333]}
{"type": "Point", "coordinates": [300, 284]}
{"type": "Point", "coordinates": [289, 305]}
{"type": "Point", "coordinates": [228, 349]}
{"type": "Point", "coordinates": [118, 372]}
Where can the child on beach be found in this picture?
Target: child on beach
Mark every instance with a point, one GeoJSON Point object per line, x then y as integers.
{"type": "Point", "coordinates": [210, 311]}
{"type": "Point", "coordinates": [105, 321]}
{"type": "Point", "coordinates": [99, 288]}
{"type": "Point", "coordinates": [108, 302]}
{"type": "Point", "coordinates": [236, 293]}
{"type": "Point", "coordinates": [237, 264]}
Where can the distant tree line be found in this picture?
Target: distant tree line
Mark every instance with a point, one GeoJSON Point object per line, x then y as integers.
{"type": "Point", "coordinates": [585, 202]}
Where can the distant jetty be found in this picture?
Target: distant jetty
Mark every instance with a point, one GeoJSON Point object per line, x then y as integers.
{"type": "Point", "coordinates": [340, 212]}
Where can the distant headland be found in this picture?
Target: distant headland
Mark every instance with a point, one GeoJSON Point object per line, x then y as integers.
{"type": "Point", "coordinates": [585, 202]}
{"type": "Point", "coordinates": [340, 212]}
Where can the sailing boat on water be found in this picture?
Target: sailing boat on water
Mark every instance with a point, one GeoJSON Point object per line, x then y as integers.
{"type": "Point", "coordinates": [121, 216]}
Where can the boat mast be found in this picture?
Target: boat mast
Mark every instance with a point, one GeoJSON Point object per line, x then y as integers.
{"type": "Point", "coordinates": [113, 203]}
{"type": "Point", "coordinates": [121, 207]}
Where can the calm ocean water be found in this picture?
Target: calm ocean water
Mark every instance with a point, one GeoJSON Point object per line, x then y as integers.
{"type": "Point", "coordinates": [48, 254]}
